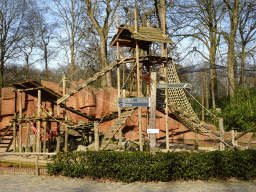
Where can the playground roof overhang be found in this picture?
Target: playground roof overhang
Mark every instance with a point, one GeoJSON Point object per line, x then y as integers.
{"type": "Point", "coordinates": [126, 36]}
{"type": "Point", "coordinates": [32, 87]}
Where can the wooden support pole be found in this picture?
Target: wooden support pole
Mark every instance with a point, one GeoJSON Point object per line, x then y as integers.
{"type": "Point", "coordinates": [139, 95]}
{"type": "Point", "coordinates": [206, 86]}
{"type": "Point", "coordinates": [45, 137]}
{"type": "Point", "coordinates": [202, 93]}
{"type": "Point", "coordinates": [37, 169]}
{"type": "Point", "coordinates": [118, 93]}
{"type": "Point", "coordinates": [27, 144]}
{"type": "Point", "coordinates": [153, 113]}
{"type": "Point", "coordinates": [166, 101]}
{"type": "Point", "coordinates": [136, 20]}
{"type": "Point", "coordinates": [58, 137]}
{"type": "Point", "coordinates": [138, 81]}
{"type": "Point", "coordinates": [96, 135]}
{"type": "Point", "coordinates": [39, 99]}
{"type": "Point", "coordinates": [15, 132]}
{"type": "Point", "coordinates": [65, 116]}
{"type": "Point", "coordinates": [221, 127]}
{"type": "Point", "coordinates": [20, 124]}
{"type": "Point", "coordinates": [233, 137]}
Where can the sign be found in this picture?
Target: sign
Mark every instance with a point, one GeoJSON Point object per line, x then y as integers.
{"type": "Point", "coordinates": [134, 102]}
{"type": "Point", "coordinates": [152, 130]}
{"type": "Point", "coordinates": [173, 85]}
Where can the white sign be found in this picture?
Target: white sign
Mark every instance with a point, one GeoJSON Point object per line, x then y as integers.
{"type": "Point", "coordinates": [174, 85]}
{"type": "Point", "coordinates": [152, 130]}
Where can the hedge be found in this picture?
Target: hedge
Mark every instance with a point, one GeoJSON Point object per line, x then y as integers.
{"type": "Point", "coordinates": [141, 166]}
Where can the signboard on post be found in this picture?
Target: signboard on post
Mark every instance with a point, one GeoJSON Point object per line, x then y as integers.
{"type": "Point", "coordinates": [173, 85]}
{"type": "Point", "coordinates": [152, 130]}
{"type": "Point", "coordinates": [134, 102]}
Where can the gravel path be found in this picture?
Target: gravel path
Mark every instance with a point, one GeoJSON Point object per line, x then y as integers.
{"type": "Point", "coordinates": [11, 182]}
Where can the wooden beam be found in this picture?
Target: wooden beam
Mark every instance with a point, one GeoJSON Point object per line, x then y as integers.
{"type": "Point", "coordinates": [222, 146]}
{"type": "Point", "coordinates": [153, 113]}
{"type": "Point", "coordinates": [242, 134]}
{"type": "Point", "coordinates": [96, 135]}
{"type": "Point", "coordinates": [38, 148]}
{"type": "Point", "coordinates": [28, 89]}
{"type": "Point", "coordinates": [65, 116]}
{"type": "Point", "coordinates": [15, 132]}
{"type": "Point", "coordinates": [45, 136]}
{"type": "Point", "coordinates": [20, 124]}
{"type": "Point", "coordinates": [27, 137]}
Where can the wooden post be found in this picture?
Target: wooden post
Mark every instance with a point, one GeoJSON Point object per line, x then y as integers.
{"type": "Point", "coordinates": [38, 148]}
{"type": "Point", "coordinates": [153, 113]}
{"type": "Point", "coordinates": [96, 135]}
{"type": "Point", "coordinates": [221, 127]}
{"type": "Point", "coordinates": [166, 101]}
{"type": "Point", "coordinates": [27, 136]}
{"type": "Point", "coordinates": [233, 137]}
{"type": "Point", "coordinates": [206, 86]}
{"type": "Point", "coordinates": [236, 141]}
{"type": "Point", "coordinates": [37, 169]}
{"type": "Point", "coordinates": [136, 20]}
{"type": "Point", "coordinates": [58, 137]}
{"type": "Point", "coordinates": [138, 81]}
{"type": "Point", "coordinates": [118, 87]}
{"type": "Point", "coordinates": [202, 94]}
{"type": "Point", "coordinates": [20, 124]}
{"type": "Point", "coordinates": [65, 116]}
{"type": "Point", "coordinates": [15, 132]}
{"type": "Point", "coordinates": [45, 136]}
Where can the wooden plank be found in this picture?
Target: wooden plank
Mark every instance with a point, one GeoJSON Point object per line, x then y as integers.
{"type": "Point", "coordinates": [109, 136]}
{"type": "Point", "coordinates": [114, 128]}
{"type": "Point", "coordinates": [120, 121]}
{"type": "Point", "coordinates": [126, 114]}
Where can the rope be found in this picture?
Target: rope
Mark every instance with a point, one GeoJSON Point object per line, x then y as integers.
{"type": "Point", "coordinates": [201, 104]}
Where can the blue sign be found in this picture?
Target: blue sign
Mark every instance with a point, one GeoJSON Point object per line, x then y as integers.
{"type": "Point", "coordinates": [134, 102]}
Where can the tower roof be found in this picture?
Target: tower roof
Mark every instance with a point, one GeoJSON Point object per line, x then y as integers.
{"type": "Point", "coordinates": [126, 36]}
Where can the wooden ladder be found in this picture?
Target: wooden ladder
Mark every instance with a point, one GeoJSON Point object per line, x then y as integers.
{"type": "Point", "coordinates": [6, 137]}
{"type": "Point", "coordinates": [117, 125]}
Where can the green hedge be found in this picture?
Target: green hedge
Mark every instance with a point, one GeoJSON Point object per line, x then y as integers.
{"type": "Point", "coordinates": [141, 166]}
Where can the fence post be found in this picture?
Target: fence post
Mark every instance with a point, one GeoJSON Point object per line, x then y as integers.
{"type": "Point", "coordinates": [222, 146]}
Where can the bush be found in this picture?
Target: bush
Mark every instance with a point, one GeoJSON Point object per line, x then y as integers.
{"type": "Point", "coordinates": [141, 166]}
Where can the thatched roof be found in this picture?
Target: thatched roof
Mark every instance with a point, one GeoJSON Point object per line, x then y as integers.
{"type": "Point", "coordinates": [126, 36]}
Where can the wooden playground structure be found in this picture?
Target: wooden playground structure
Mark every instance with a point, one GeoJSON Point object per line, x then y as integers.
{"type": "Point", "coordinates": [146, 66]}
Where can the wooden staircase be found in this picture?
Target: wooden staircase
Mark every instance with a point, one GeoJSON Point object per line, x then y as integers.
{"type": "Point", "coordinates": [117, 126]}
{"type": "Point", "coordinates": [6, 137]}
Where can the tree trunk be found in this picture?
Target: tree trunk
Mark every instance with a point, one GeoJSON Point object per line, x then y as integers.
{"type": "Point", "coordinates": [231, 47]}
{"type": "Point", "coordinates": [107, 80]}
{"type": "Point", "coordinates": [243, 55]}
{"type": "Point", "coordinates": [213, 74]}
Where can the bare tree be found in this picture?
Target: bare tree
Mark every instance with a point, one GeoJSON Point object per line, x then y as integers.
{"type": "Point", "coordinates": [11, 31]}
{"type": "Point", "coordinates": [202, 22]}
{"type": "Point", "coordinates": [73, 15]}
{"type": "Point", "coordinates": [232, 7]}
{"type": "Point", "coordinates": [101, 14]}
{"type": "Point", "coordinates": [247, 33]}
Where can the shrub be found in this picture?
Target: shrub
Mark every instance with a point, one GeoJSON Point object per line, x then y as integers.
{"type": "Point", "coordinates": [141, 166]}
